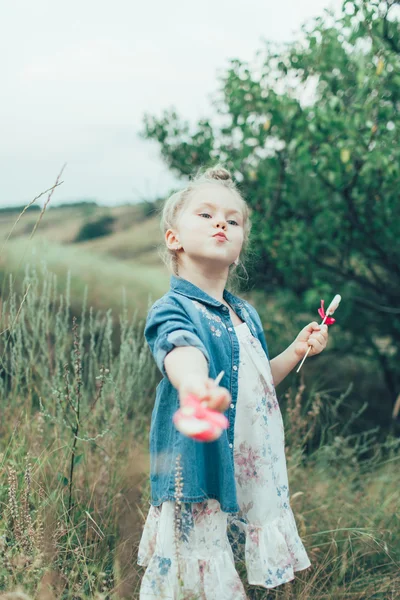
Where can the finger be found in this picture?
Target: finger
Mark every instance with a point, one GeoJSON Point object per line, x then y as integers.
{"type": "Point", "coordinates": [317, 327]}
{"type": "Point", "coordinates": [219, 399]}
{"type": "Point", "coordinates": [316, 344]}
{"type": "Point", "coordinates": [202, 392]}
{"type": "Point", "coordinates": [214, 402]}
{"type": "Point", "coordinates": [208, 392]}
{"type": "Point", "coordinates": [321, 337]}
{"type": "Point", "coordinates": [312, 326]}
{"type": "Point", "coordinates": [210, 383]}
{"type": "Point", "coordinates": [324, 339]}
{"type": "Point", "coordinates": [320, 334]}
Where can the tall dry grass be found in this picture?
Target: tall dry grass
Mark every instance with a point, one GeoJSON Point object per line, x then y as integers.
{"type": "Point", "coordinates": [76, 394]}
{"type": "Point", "coordinates": [76, 397]}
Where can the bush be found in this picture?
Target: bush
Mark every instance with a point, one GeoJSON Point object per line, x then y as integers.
{"type": "Point", "coordinates": [95, 229]}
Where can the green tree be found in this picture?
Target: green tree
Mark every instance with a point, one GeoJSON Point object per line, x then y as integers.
{"type": "Point", "coordinates": [311, 133]}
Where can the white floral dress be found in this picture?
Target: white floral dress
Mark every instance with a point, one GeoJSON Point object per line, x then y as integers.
{"type": "Point", "coordinates": [263, 534]}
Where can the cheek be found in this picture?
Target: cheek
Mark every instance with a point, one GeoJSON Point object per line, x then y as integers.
{"type": "Point", "coordinates": [196, 227]}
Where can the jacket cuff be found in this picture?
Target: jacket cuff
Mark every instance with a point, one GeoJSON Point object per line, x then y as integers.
{"type": "Point", "coordinates": [179, 337]}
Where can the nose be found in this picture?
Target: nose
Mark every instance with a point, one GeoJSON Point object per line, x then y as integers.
{"type": "Point", "coordinates": [221, 223]}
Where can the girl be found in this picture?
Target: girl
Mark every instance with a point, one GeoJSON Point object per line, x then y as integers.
{"type": "Point", "coordinates": [214, 502]}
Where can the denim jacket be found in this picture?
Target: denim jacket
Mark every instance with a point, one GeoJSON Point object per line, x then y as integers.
{"type": "Point", "coordinates": [187, 316]}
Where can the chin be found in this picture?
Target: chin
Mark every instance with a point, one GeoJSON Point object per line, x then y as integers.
{"type": "Point", "coordinates": [214, 260]}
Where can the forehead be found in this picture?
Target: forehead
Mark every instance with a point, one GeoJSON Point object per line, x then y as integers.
{"type": "Point", "coordinates": [216, 195]}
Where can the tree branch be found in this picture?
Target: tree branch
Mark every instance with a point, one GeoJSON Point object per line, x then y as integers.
{"type": "Point", "coordinates": [349, 275]}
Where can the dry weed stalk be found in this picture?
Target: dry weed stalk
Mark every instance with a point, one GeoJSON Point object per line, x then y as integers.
{"type": "Point", "coordinates": [177, 514]}
{"type": "Point", "coordinates": [301, 428]}
{"type": "Point", "coordinates": [71, 404]}
{"type": "Point", "coordinates": [27, 524]}
{"type": "Point", "coordinates": [13, 504]}
{"type": "Point", "coordinates": [29, 538]}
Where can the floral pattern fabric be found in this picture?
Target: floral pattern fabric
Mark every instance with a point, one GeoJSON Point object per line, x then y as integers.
{"type": "Point", "coordinates": [196, 558]}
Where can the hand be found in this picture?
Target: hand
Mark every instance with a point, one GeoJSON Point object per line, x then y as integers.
{"type": "Point", "coordinates": [313, 335]}
{"type": "Point", "coordinates": [215, 397]}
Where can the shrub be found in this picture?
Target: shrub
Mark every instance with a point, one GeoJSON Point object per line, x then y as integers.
{"type": "Point", "coordinates": [94, 229]}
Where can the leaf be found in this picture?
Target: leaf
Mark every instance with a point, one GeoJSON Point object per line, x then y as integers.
{"type": "Point", "coordinates": [62, 478]}
{"type": "Point", "coordinates": [78, 459]}
{"type": "Point", "coordinates": [345, 155]}
{"type": "Point", "coordinates": [379, 66]}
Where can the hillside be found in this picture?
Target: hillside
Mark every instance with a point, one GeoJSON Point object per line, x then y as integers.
{"type": "Point", "coordinates": [126, 258]}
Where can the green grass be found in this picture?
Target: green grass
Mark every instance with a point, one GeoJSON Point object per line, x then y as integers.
{"type": "Point", "coordinates": [127, 258]}
{"type": "Point", "coordinates": [104, 275]}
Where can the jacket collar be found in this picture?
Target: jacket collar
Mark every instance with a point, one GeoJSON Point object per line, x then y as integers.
{"type": "Point", "coordinates": [186, 288]}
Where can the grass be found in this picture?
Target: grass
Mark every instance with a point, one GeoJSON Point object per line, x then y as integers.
{"type": "Point", "coordinates": [124, 262]}
{"type": "Point", "coordinates": [77, 386]}
{"type": "Point", "coordinates": [76, 403]}
{"type": "Point", "coordinates": [104, 275]}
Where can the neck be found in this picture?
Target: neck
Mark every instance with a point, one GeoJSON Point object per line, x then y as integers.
{"type": "Point", "coordinates": [212, 284]}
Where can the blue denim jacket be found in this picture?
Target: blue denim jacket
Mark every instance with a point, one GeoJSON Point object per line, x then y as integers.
{"type": "Point", "coordinates": [187, 316]}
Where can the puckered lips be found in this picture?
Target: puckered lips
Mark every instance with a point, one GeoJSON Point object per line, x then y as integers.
{"type": "Point", "coordinates": [220, 235]}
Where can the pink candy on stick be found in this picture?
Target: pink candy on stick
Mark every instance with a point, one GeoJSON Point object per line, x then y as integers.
{"type": "Point", "coordinates": [197, 421]}
{"type": "Point", "coordinates": [326, 319]}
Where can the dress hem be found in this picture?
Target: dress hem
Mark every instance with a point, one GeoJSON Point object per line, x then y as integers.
{"type": "Point", "coordinates": [295, 570]}
{"type": "Point", "coordinates": [255, 583]}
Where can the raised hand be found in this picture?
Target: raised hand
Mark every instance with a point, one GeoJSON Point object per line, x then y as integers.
{"type": "Point", "coordinates": [313, 335]}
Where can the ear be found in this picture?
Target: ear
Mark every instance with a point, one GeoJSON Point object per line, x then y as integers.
{"type": "Point", "coordinates": [172, 239]}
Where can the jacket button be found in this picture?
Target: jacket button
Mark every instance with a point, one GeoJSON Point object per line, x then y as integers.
{"type": "Point", "coordinates": [229, 328]}
{"type": "Point", "coordinates": [232, 406]}
{"type": "Point", "coordinates": [234, 367]}
{"type": "Point", "coordinates": [230, 445]}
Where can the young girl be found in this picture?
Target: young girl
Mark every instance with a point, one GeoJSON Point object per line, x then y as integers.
{"type": "Point", "coordinates": [216, 502]}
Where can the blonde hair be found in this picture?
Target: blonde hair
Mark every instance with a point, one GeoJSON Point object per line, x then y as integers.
{"type": "Point", "coordinates": [173, 206]}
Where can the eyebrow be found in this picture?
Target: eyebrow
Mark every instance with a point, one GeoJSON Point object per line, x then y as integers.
{"type": "Point", "coordinates": [211, 205]}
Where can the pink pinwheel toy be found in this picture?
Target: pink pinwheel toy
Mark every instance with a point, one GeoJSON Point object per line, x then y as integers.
{"type": "Point", "coordinates": [199, 422]}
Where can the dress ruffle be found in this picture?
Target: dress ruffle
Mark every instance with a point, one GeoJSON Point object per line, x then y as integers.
{"type": "Point", "coordinates": [206, 564]}
{"type": "Point", "coordinates": [272, 552]}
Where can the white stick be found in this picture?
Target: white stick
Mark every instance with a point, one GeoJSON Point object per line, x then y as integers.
{"type": "Point", "coordinates": [217, 380]}
{"type": "Point", "coordinates": [219, 377]}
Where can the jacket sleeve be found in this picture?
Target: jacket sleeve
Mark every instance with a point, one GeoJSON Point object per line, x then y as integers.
{"type": "Point", "coordinates": [167, 327]}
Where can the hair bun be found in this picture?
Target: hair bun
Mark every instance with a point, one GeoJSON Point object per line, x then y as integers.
{"type": "Point", "coordinates": [218, 173]}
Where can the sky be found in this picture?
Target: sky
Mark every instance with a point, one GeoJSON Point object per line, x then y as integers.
{"type": "Point", "coordinates": [78, 77]}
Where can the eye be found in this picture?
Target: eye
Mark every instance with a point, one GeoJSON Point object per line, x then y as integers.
{"type": "Point", "coordinates": [231, 221]}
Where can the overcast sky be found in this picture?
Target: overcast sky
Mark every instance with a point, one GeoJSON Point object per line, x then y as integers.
{"type": "Point", "coordinates": [77, 77]}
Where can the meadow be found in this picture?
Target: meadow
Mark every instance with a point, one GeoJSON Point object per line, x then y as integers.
{"type": "Point", "coordinates": [77, 383]}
